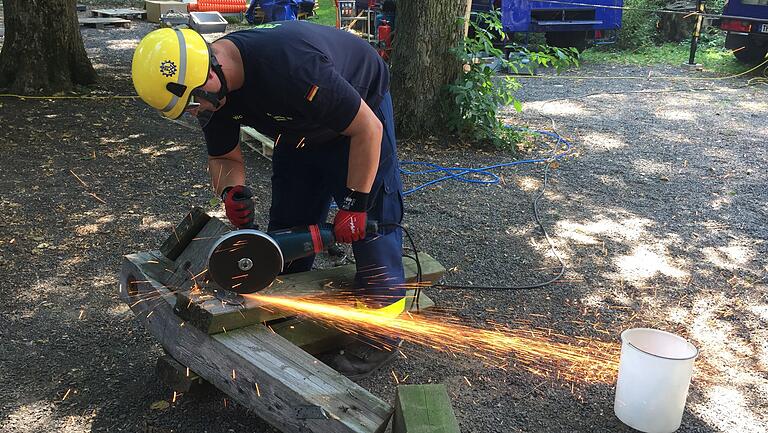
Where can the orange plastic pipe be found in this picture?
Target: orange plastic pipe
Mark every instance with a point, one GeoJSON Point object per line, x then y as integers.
{"type": "Point", "coordinates": [225, 6]}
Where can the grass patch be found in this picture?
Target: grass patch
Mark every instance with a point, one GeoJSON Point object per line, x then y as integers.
{"type": "Point", "coordinates": [710, 54]}
{"type": "Point", "coordinates": [325, 13]}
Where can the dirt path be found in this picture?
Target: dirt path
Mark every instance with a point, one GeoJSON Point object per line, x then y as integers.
{"type": "Point", "coordinates": [659, 214]}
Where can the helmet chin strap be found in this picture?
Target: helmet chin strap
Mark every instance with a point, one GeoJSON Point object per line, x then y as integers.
{"type": "Point", "coordinates": [214, 98]}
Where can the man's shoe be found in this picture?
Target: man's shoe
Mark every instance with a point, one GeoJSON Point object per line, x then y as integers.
{"type": "Point", "coordinates": [360, 359]}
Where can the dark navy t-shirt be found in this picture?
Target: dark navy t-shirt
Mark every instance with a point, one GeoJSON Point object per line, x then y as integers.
{"type": "Point", "coordinates": [303, 83]}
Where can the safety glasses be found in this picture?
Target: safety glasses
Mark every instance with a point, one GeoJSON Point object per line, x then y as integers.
{"type": "Point", "coordinates": [197, 95]}
{"type": "Point", "coordinates": [193, 109]}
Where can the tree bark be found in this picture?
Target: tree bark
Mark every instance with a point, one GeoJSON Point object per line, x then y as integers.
{"type": "Point", "coordinates": [675, 27]}
{"type": "Point", "coordinates": [422, 64]}
{"type": "Point", "coordinates": [43, 50]}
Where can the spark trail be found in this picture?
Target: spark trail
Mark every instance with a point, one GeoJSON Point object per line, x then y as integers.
{"type": "Point", "coordinates": [539, 351]}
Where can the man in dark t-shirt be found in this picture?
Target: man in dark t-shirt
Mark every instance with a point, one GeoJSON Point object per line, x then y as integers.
{"type": "Point", "coordinates": [323, 96]}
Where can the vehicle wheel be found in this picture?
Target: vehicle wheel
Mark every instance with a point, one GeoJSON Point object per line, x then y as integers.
{"type": "Point", "coordinates": [577, 39]}
{"type": "Point", "coordinates": [751, 53]}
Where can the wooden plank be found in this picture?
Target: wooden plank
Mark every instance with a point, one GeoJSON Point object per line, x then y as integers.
{"type": "Point", "coordinates": [101, 22]}
{"type": "Point", "coordinates": [156, 267]}
{"type": "Point", "coordinates": [423, 409]}
{"type": "Point", "coordinates": [312, 336]}
{"type": "Point", "coordinates": [267, 144]}
{"type": "Point", "coordinates": [425, 302]}
{"type": "Point", "coordinates": [183, 234]}
{"type": "Point", "coordinates": [260, 370]}
{"type": "Point", "coordinates": [212, 316]}
{"type": "Point", "coordinates": [127, 13]}
{"type": "Point", "coordinates": [192, 262]}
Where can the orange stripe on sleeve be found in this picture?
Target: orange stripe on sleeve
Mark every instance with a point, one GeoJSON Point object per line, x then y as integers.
{"type": "Point", "coordinates": [311, 94]}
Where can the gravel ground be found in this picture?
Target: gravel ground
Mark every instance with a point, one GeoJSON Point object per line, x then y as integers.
{"type": "Point", "coordinates": [659, 214]}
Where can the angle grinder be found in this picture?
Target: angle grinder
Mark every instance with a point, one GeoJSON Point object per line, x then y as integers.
{"type": "Point", "coordinates": [248, 260]}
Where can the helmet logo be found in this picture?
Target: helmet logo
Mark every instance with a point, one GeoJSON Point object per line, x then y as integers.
{"type": "Point", "coordinates": [168, 68]}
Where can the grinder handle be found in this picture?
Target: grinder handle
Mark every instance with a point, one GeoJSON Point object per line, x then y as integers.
{"type": "Point", "coordinates": [304, 241]}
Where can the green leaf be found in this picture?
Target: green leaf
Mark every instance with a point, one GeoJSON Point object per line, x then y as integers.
{"type": "Point", "coordinates": [518, 106]}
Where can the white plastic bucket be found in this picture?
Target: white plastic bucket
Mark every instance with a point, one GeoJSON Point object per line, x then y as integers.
{"type": "Point", "coordinates": [654, 374]}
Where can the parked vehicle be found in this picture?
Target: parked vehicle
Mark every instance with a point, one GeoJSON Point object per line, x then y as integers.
{"type": "Point", "coordinates": [565, 23]}
{"type": "Point", "coordinates": [747, 30]}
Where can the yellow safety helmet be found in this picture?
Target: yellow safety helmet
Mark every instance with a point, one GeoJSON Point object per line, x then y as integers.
{"type": "Point", "coordinates": [168, 65]}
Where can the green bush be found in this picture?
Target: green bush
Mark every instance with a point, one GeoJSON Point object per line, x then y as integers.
{"type": "Point", "coordinates": [638, 27]}
{"type": "Point", "coordinates": [714, 6]}
{"type": "Point", "coordinates": [480, 91]}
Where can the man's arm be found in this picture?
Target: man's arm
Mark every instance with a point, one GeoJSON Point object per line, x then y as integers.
{"type": "Point", "coordinates": [365, 133]}
{"type": "Point", "coordinates": [227, 170]}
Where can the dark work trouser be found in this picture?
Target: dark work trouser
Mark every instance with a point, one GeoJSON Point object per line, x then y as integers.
{"type": "Point", "coordinates": [305, 180]}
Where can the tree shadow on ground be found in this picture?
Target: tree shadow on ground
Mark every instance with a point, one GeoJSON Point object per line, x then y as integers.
{"type": "Point", "coordinates": [665, 215]}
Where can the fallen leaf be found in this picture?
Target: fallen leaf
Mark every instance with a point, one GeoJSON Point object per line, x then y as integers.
{"type": "Point", "coordinates": [160, 405]}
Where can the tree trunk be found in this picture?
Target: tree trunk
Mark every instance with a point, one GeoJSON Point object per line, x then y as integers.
{"type": "Point", "coordinates": [676, 27]}
{"type": "Point", "coordinates": [43, 49]}
{"type": "Point", "coordinates": [422, 64]}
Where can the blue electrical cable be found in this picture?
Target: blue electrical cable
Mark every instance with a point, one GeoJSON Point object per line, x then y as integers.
{"type": "Point", "coordinates": [483, 171]}
{"type": "Point", "coordinates": [459, 173]}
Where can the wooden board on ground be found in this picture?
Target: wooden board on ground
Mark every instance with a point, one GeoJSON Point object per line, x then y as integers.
{"type": "Point", "coordinates": [262, 371]}
{"type": "Point", "coordinates": [127, 13]}
{"type": "Point", "coordinates": [263, 145]}
{"type": "Point", "coordinates": [100, 23]}
{"type": "Point", "coordinates": [212, 316]}
{"type": "Point", "coordinates": [423, 409]}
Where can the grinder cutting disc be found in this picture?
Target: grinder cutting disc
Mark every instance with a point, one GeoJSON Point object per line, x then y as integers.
{"type": "Point", "coordinates": [245, 261]}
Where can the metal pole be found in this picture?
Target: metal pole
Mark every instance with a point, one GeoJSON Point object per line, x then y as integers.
{"type": "Point", "coordinates": [696, 31]}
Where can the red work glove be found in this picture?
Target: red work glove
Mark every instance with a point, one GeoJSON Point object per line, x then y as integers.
{"type": "Point", "coordinates": [238, 203]}
{"type": "Point", "coordinates": [349, 224]}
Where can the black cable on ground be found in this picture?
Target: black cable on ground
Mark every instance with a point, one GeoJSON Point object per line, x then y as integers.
{"type": "Point", "coordinates": [537, 218]}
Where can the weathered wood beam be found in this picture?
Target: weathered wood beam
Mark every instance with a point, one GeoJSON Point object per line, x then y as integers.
{"type": "Point", "coordinates": [262, 371]}
{"type": "Point", "coordinates": [183, 234]}
{"type": "Point", "coordinates": [192, 263]}
{"type": "Point", "coordinates": [423, 409]}
{"type": "Point", "coordinates": [212, 316]}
